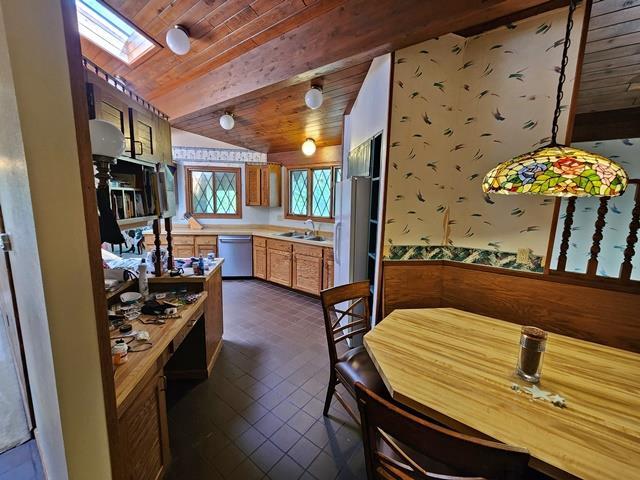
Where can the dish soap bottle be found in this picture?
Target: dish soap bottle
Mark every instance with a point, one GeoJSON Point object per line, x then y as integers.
{"type": "Point", "coordinates": [201, 265]}
{"type": "Point", "coordinates": [143, 282]}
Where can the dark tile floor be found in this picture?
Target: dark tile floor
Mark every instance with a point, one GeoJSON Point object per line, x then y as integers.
{"type": "Point", "coordinates": [259, 415]}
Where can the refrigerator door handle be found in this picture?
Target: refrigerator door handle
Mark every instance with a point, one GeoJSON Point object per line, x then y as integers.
{"type": "Point", "coordinates": [336, 242]}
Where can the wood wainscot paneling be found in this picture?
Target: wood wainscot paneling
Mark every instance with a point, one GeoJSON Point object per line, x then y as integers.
{"type": "Point", "coordinates": [550, 302]}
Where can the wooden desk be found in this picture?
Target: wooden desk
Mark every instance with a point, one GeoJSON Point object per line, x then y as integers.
{"type": "Point", "coordinates": [165, 341]}
{"type": "Point", "coordinates": [140, 384]}
{"type": "Point", "coordinates": [457, 367]}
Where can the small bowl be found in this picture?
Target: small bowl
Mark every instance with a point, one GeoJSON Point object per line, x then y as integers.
{"type": "Point", "coordinates": [128, 298]}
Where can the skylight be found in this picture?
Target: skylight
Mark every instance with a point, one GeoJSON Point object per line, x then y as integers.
{"type": "Point", "coordinates": [103, 27]}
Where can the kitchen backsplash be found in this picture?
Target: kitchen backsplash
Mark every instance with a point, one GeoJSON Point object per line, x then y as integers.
{"type": "Point", "coordinates": [460, 106]}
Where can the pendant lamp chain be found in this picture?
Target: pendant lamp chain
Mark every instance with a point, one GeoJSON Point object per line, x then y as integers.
{"type": "Point", "coordinates": [563, 68]}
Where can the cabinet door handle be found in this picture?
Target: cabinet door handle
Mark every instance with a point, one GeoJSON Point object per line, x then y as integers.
{"type": "Point", "coordinates": [141, 152]}
{"type": "Point", "coordinates": [163, 387]}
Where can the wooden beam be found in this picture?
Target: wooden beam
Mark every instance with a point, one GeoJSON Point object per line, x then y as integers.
{"type": "Point", "coordinates": [608, 125]}
{"type": "Point", "coordinates": [343, 36]}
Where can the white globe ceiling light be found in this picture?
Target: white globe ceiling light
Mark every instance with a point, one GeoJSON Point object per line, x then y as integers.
{"type": "Point", "coordinates": [178, 40]}
{"type": "Point", "coordinates": [227, 121]}
{"type": "Point", "coordinates": [314, 97]}
{"type": "Point", "coordinates": [309, 147]}
{"type": "Point", "coordinates": [106, 139]}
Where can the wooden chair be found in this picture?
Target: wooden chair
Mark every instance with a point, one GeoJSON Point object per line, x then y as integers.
{"type": "Point", "coordinates": [354, 365]}
{"type": "Point", "coordinates": [401, 446]}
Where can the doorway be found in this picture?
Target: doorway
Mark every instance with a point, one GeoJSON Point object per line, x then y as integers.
{"type": "Point", "coordinates": [15, 417]}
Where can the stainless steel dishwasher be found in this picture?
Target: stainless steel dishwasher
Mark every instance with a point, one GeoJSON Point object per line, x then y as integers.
{"type": "Point", "coordinates": [237, 252]}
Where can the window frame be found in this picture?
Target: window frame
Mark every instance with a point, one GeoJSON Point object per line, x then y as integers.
{"type": "Point", "coordinates": [141, 58]}
{"type": "Point", "coordinates": [309, 169]}
{"type": "Point", "coordinates": [189, 191]}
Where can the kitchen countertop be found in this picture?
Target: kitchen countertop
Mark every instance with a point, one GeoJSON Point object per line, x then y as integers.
{"type": "Point", "coordinates": [255, 230]}
{"type": "Point", "coordinates": [188, 276]}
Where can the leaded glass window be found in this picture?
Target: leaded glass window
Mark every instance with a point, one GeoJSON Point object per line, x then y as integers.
{"type": "Point", "coordinates": [311, 192]}
{"type": "Point", "coordinates": [299, 193]}
{"type": "Point", "coordinates": [214, 192]}
{"type": "Point", "coordinates": [321, 193]}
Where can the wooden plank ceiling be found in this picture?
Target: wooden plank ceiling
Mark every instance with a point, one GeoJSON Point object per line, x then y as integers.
{"type": "Point", "coordinates": [612, 57]}
{"type": "Point", "coordinates": [257, 57]}
{"type": "Point", "coordinates": [280, 121]}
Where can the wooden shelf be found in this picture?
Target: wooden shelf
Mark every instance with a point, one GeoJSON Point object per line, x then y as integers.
{"type": "Point", "coordinates": [136, 220]}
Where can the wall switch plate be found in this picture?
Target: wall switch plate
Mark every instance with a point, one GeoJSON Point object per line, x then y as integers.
{"type": "Point", "coordinates": [524, 255]}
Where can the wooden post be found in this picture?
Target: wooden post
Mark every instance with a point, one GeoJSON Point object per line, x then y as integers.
{"type": "Point", "coordinates": [167, 227]}
{"type": "Point", "coordinates": [158, 263]}
{"type": "Point", "coordinates": [592, 265]}
{"type": "Point", "coordinates": [566, 234]}
{"type": "Point", "coordinates": [632, 238]}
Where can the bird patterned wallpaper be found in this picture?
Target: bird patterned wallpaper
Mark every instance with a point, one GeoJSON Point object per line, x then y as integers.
{"type": "Point", "coordinates": [459, 107]}
{"type": "Point", "coordinates": [625, 152]}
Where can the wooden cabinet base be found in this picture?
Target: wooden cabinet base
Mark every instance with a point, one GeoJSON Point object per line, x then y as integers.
{"type": "Point", "coordinates": [143, 432]}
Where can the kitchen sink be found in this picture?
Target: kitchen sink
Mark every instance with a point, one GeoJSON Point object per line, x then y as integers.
{"type": "Point", "coordinates": [313, 238]}
{"type": "Point", "coordinates": [291, 235]}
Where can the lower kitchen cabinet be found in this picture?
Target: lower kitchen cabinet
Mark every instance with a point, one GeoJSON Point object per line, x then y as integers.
{"type": "Point", "coordinates": [206, 244]}
{"type": "Point", "coordinates": [279, 262]}
{"type": "Point", "coordinates": [259, 258]}
{"type": "Point", "coordinates": [307, 269]}
{"type": "Point", "coordinates": [143, 432]}
{"type": "Point", "coordinates": [327, 271]}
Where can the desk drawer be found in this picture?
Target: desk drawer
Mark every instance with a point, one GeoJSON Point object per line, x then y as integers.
{"type": "Point", "coordinates": [184, 331]}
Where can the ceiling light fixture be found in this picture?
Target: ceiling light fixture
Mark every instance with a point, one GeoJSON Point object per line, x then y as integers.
{"type": "Point", "coordinates": [555, 169]}
{"type": "Point", "coordinates": [178, 40]}
{"type": "Point", "coordinates": [314, 97]}
{"type": "Point", "coordinates": [309, 147]}
{"type": "Point", "coordinates": [227, 121]}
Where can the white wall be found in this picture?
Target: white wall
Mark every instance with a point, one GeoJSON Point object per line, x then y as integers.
{"type": "Point", "coordinates": [250, 215]}
{"type": "Point", "coordinates": [370, 111]}
{"type": "Point", "coordinates": [368, 117]}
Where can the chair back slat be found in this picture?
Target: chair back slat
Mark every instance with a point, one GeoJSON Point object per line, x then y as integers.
{"type": "Point", "coordinates": [342, 323]}
{"type": "Point", "coordinates": [462, 456]}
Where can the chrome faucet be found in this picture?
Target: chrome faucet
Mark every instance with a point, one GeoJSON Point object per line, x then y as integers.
{"type": "Point", "coordinates": [313, 226]}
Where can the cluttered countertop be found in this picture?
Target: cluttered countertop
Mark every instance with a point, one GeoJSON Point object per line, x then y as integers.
{"type": "Point", "coordinates": [150, 337]}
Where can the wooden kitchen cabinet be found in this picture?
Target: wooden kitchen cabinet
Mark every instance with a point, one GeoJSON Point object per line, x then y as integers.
{"type": "Point", "coordinates": [145, 134]}
{"type": "Point", "coordinates": [183, 251]}
{"type": "Point", "coordinates": [307, 268]}
{"type": "Point", "coordinates": [259, 258]}
{"type": "Point", "coordinates": [165, 153]}
{"type": "Point", "coordinates": [263, 185]}
{"type": "Point", "coordinates": [148, 134]}
{"type": "Point", "coordinates": [205, 244]}
{"type": "Point", "coordinates": [143, 432]}
{"type": "Point", "coordinates": [253, 185]}
{"type": "Point", "coordinates": [327, 275]}
{"type": "Point", "coordinates": [279, 262]}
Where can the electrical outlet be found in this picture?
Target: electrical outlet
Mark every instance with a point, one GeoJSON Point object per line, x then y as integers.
{"type": "Point", "coordinates": [524, 256]}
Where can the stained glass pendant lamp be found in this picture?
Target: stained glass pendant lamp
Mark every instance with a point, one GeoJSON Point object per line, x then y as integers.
{"type": "Point", "coordinates": [556, 169]}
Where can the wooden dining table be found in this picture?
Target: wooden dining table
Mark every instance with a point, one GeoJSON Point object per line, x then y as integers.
{"type": "Point", "coordinates": [459, 369]}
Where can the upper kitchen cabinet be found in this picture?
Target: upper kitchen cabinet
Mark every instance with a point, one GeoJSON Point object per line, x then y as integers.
{"type": "Point", "coordinates": [146, 129]}
{"type": "Point", "coordinates": [263, 183]}
{"type": "Point", "coordinates": [145, 134]}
